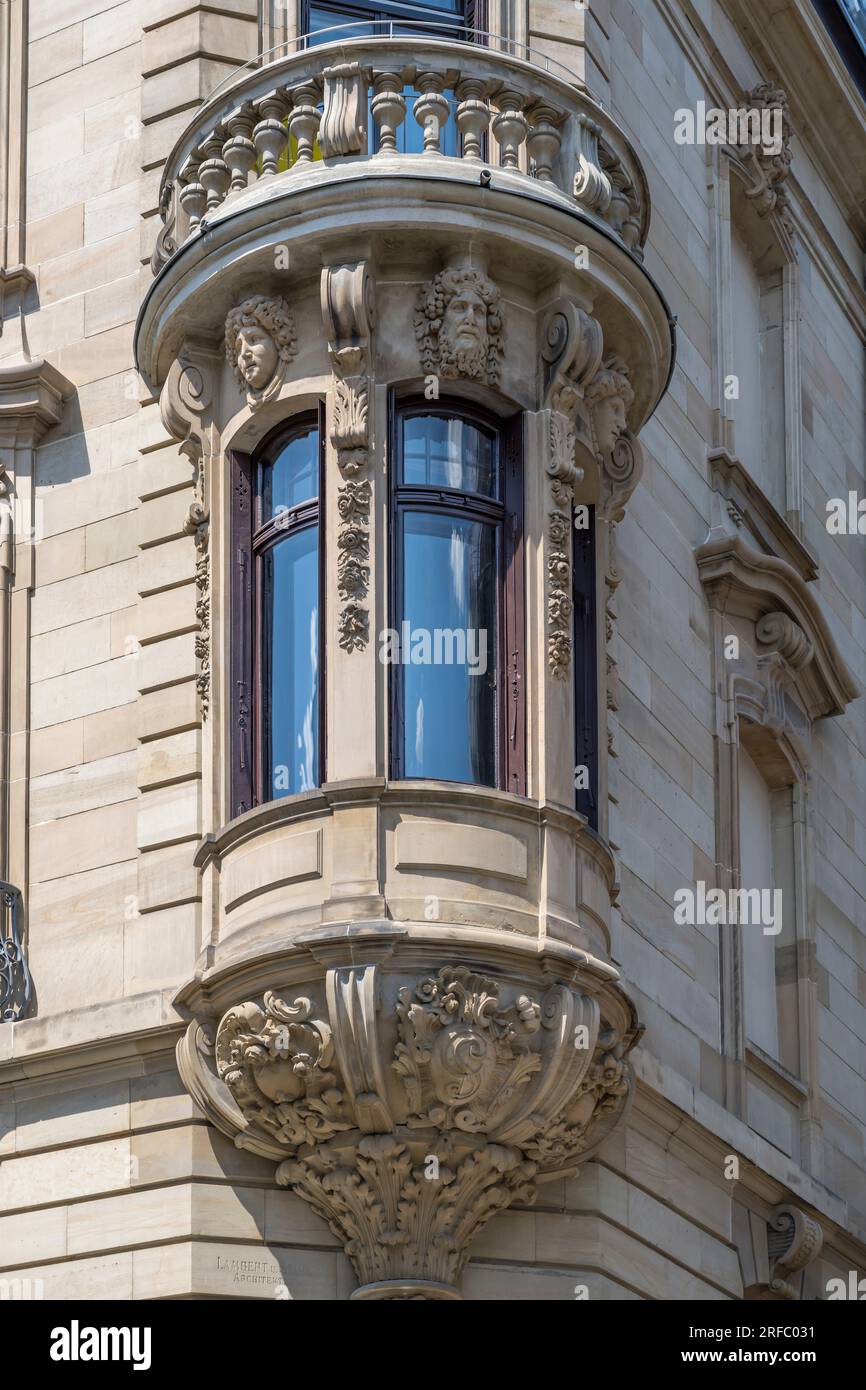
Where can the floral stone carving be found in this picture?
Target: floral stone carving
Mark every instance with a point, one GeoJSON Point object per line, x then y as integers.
{"type": "Point", "coordinates": [408, 1109]}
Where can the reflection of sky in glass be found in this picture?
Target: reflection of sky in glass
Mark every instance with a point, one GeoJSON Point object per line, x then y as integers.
{"type": "Point", "coordinates": [442, 452]}
{"type": "Point", "coordinates": [449, 582]}
{"type": "Point", "coordinates": [292, 576]}
{"type": "Point", "coordinates": [294, 475]}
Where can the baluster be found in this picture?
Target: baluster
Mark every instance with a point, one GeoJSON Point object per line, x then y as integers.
{"type": "Point", "coordinates": [239, 152]}
{"type": "Point", "coordinates": [544, 141]}
{"type": "Point", "coordinates": [214, 173]}
{"type": "Point", "coordinates": [473, 115]}
{"type": "Point", "coordinates": [270, 135]}
{"type": "Point", "coordinates": [304, 120]}
{"type": "Point", "coordinates": [389, 109]}
{"type": "Point", "coordinates": [431, 109]}
{"type": "Point", "coordinates": [192, 197]}
{"type": "Point", "coordinates": [509, 127]}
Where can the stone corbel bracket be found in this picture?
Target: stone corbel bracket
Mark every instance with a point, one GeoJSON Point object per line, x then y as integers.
{"type": "Point", "coordinates": [741, 581]}
{"type": "Point", "coordinates": [786, 1245]}
{"type": "Point", "coordinates": [348, 314]}
{"type": "Point", "coordinates": [186, 409]}
{"type": "Point", "coordinates": [407, 1097]}
{"type": "Point", "coordinates": [768, 168]}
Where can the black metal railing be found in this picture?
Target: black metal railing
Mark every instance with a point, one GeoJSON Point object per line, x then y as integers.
{"type": "Point", "coordinates": [15, 984]}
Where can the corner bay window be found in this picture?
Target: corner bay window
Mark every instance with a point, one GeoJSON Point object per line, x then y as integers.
{"type": "Point", "coordinates": [277, 610]}
{"type": "Point", "coordinates": [455, 644]}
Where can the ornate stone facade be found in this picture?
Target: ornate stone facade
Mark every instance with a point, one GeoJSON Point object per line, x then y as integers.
{"type": "Point", "coordinates": [382, 1038]}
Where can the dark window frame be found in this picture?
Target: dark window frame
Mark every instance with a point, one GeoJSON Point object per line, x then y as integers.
{"type": "Point", "coordinates": [506, 513]}
{"type": "Point", "coordinates": [470, 24]}
{"type": "Point", "coordinates": [250, 541]}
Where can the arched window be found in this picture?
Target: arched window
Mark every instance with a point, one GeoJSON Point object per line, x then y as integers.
{"type": "Point", "coordinates": [277, 647]}
{"type": "Point", "coordinates": [455, 644]}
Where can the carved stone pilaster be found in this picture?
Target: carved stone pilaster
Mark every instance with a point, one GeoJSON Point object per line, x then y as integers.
{"type": "Point", "coordinates": [348, 315]}
{"type": "Point", "coordinates": [570, 352]}
{"type": "Point", "coordinates": [185, 406]}
{"type": "Point", "coordinates": [407, 1105]}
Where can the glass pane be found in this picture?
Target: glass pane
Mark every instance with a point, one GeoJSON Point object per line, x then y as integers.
{"type": "Point", "coordinates": [291, 625]}
{"type": "Point", "coordinates": [327, 20]}
{"type": "Point", "coordinates": [442, 452]}
{"type": "Point", "coordinates": [446, 647]}
{"type": "Point", "coordinates": [293, 477]}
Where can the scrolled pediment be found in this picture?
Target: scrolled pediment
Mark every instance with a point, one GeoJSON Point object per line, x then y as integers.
{"type": "Point", "coordinates": [741, 581]}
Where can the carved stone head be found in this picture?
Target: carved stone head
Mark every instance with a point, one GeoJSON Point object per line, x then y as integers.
{"type": "Point", "coordinates": [609, 396]}
{"type": "Point", "coordinates": [260, 343]}
{"type": "Point", "coordinates": [458, 324]}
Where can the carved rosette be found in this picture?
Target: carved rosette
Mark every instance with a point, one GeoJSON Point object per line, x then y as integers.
{"type": "Point", "coordinates": [407, 1109]}
{"type": "Point", "coordinates": [348, 314]}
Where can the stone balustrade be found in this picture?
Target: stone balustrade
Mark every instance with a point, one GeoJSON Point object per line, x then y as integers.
{"type": "Point", "coordinates": [475, 108]}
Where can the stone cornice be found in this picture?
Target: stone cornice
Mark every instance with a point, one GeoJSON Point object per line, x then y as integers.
{"type": "Point", "coordinates": [31, 401]}
{"type": "Point", "coordinates": [697, 1124]}
{"type": "Point", "coordinates": [769, 527]}
{"type": "Point", "coordinates": [740, 581]}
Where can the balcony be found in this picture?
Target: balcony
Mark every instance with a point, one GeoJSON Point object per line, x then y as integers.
{"type": "Point", "coordinates": [340, 116]}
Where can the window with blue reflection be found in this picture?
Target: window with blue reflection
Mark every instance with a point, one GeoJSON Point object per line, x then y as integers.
{"type": "Point", "coordinates": [286, 561]}
{"type": "Point", "coordinates": [444, 645]}
{"type": "Point", "coordinates": [440, 18]}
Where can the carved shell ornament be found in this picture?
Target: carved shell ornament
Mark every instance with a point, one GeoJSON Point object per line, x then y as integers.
{"type": "Point", "coordinates": [260, 341]}
{"type": "Point", "coordinates": [459, 326]}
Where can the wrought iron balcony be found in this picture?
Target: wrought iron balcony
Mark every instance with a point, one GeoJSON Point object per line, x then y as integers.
{"type": "Point", "coordinates": [14, 974]}
{"type": "Point", "coordinates": [392, 106]}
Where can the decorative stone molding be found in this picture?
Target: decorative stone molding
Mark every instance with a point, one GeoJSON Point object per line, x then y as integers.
{"type": "Point", "coordinates": [747, 506]}
{"type": "Point", "coordinates": [459, 326]}
{"type": "Point", "coordinates": [197, 524]}
{"type": "Point", "coordinates": [570, 352]}
{"type": "Point", "coordinates": [32, 394]}
{"type": "Point", "coordinates": [787, 1244]}
{"type": "Point", "coordinates": [408, 1104]}
{"type": "Point", "coordinates": [343, 130]}
{"type": "Point", "coordinates": [769, 170]}
{"type": "Point", "coordinates": [349, 315]}
{"type": "Point", "coordinates": [741, 581]}
{"type": "Point", "coordinates": [591, 183]}
{"type": "Point", "coordinates": [185, 407]}
{"type": "Point", "coordinates": [260, 342]}
{"type": "Point", "coordinates": [626, 210]}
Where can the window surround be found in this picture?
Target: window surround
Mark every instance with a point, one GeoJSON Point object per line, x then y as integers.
{"type": "Point", "coordinates": [508, 513]}
{"type": "Point", "coordinates": [248, 545]}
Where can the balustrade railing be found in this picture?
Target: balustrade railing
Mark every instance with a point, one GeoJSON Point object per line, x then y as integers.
{"type": "Point", "coordinates": [357, 99]}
